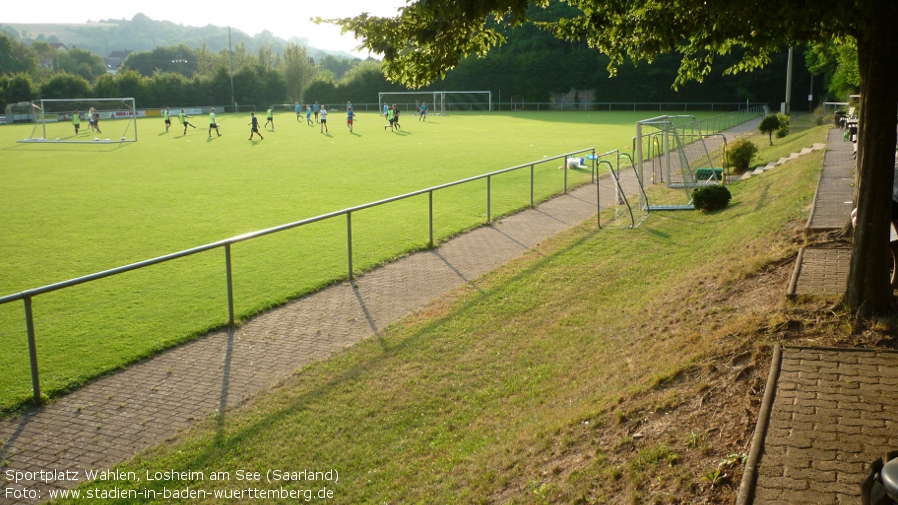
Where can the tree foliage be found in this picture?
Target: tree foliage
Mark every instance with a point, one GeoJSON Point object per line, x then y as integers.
{"type": "Point", "coordinates": [769, 125]}
{"type": "Point", "coordinates": [80, 62]}
{"type": "Point", "coordinates": [65, 85]}
{"type": "Point", "coordinates": [836, 60]}
{"type": "Point", "coordinates": [427, 38]}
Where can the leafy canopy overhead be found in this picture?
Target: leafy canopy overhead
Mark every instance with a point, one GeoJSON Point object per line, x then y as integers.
{"type": "Point", "coordinates": [429, 37]}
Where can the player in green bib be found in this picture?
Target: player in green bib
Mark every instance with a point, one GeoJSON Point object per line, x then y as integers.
{"type": "Point", "coordinates": [166, 115]}
{"type": "Point", "coordinates": [213, 124]}
{"type": "Point", "coordinates": [183, 118]}
{"type": "Point", "coordinates": [76, 120]}
{"type": "Point", "coordinates": [270, 116]}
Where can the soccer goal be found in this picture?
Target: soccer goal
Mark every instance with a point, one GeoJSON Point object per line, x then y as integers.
{"type": "Point", "coordinates": [439, 103]}
{"type": "Point", "coordinates": [674, 151]}
{"type": "Point", "coordinates": [108, 120]}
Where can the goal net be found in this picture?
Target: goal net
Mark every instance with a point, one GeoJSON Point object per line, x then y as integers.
{"type": "Point", "coordinates": [439, 103]}
{"type": "Point", "coordinates": [620, 191]}
{"type": "Point", "coordinates": [84, 120]}
{"type": "Point", "coordinates": [672, 150]}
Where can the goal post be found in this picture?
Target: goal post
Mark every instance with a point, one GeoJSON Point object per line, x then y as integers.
{"type": "Point", "coordinates": [439, 103]}
{"type": "Point", "coordinates": [674, 151]}
{"type": "Point", "coordinates": [107, 120]}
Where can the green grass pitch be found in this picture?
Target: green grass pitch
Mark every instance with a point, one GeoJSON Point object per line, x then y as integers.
{"type": "Point", "coordinates": [70, 210]}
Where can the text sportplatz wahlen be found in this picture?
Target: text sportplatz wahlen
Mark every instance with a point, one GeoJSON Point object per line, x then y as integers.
{"type": "Point", "coordinates": [171, 475]}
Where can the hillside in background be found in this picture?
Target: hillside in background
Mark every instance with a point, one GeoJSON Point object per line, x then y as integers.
{"type": "Point", "coordinates": [142, 33]}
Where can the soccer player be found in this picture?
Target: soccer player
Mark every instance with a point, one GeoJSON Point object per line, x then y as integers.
{"type": "Point", "coordinates": [298, 109]}
{"type": "Point", "coordinates": [386, 110]}
{"type": "Point", "coordinates": [316, 109]}
{"type": "Point", "coordinates": [309, 115]}
{"type": "Point", "coordinates": [166, 115]}
{"type": "Point", "coordinates": [95, 117]}
{"type": "Point", "coordinates": [76, 121]}
{"type": "Point", "coordinates": [423, 115]}
{"type": "Point", "coordinates": [254, 124]}
{"type": "Point", "coordinates": [270, 116]}
{"type": "Point", "coordinates": [323, 113]}
{"type": "Point", "coordinates": [396, 117]}
{"type": "Point", "coordinates": [182, 117]}
{"type": "Point", "coordinates": [213, 124]}
{"type": "Point", "coordinates": [350, 117]}
{"type": "Point", "coordinates": [390, 113]}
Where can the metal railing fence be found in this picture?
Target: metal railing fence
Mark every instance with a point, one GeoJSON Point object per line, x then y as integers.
{"type": "Point", "coordinates": [27, 296]}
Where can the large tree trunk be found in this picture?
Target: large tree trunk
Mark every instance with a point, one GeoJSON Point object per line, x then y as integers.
{"type": "Point", "coordinates": [869, 291]}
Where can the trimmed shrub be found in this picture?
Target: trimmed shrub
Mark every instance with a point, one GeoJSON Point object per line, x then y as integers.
{"type": "Point", "coordinates": [769, 125]}
{"type": "Point", "coordinates": [741, 153]}
{"type": "Point", "coordinates": [711, 198]}
{"type": "Point", "coordinates": [783, 129]}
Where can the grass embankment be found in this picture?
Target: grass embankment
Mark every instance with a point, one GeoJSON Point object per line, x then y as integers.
{"type": "Point", "coordinates": [534, 384]}
{"type": "Point", "coordinates": [72, 210]}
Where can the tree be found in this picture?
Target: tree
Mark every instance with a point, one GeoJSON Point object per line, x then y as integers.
{"type": "Point", "coordinates": [132, 84]}
{"type": "Point", "coordinates": [836, 61]}
{"type": "Point", "coordinates": [16, 56]}
{"type": "Point", "coordinates": [769, 125]}
{"type": "Point", "coordinates": [106, 86]}
{"type": "Point", "coordinates": [427, 38]}
{"type": "Point", "coordinates": [66, 85]}
{"type": "Point", "coordinates": [80, 62]}
{"type": "Point", "coordinates": [298, 71]}
{"type": "Point", "coordinates": [20, 89]}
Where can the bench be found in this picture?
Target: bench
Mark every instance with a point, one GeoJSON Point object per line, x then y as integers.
{"type": "Point", "coordinates": [707, 174]}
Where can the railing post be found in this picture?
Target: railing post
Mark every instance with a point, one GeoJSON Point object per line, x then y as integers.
{"type": "Point", "coordinates": [595, 172]}
{"type": "Point", "coordinates": [565, 175]}
{"type": "Point", "coordinates": [230, 285]}
{"type": "Point", "coordinates": [349, 242]}
{"type": "Point", "coordinates": [430, 215]}
{"type": "Point", "coordinates": [532, 178]}
{"type": "Point", "coordinates": [489, 213]}
{"type": "Point", "coordinates": [599, 195]}
{"type": "Point", "coordinates": [32, 351]}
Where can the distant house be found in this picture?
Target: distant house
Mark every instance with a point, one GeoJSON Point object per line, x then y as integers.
{"type": "Point", "coordinates": [115, 59]}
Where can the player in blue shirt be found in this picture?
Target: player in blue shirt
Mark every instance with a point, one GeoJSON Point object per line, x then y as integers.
{"type": "Point", "coordinates": [254, 124]}
{"type": "Point", "coordinates": [350, 117]}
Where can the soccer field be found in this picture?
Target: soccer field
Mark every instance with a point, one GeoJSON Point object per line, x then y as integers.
{"type": "Point", "coordinates": [70, 210]}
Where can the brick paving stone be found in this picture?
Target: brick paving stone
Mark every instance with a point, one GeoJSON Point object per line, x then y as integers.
{"type": "Point", "coordinates": [822, 270]}
{"type": "Point", "coordinates": [835, 190]}
{"type": "Point", "coordinates": [829, 451]}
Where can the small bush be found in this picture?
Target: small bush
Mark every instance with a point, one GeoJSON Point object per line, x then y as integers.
{"type": "Point", "coordinates": [770, 125]}
{"type": "Point", "coordinates": [783, 129]}
{"type": "Point", "coordinates": [711, 198]}
{"type": "Point", "coordinates": [741, 153]}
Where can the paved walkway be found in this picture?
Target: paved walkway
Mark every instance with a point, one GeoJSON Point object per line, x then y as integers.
{"type": "Point", "coordinates": [823, 269]}
{"type": "Point", "coordinates": [834, 413]}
